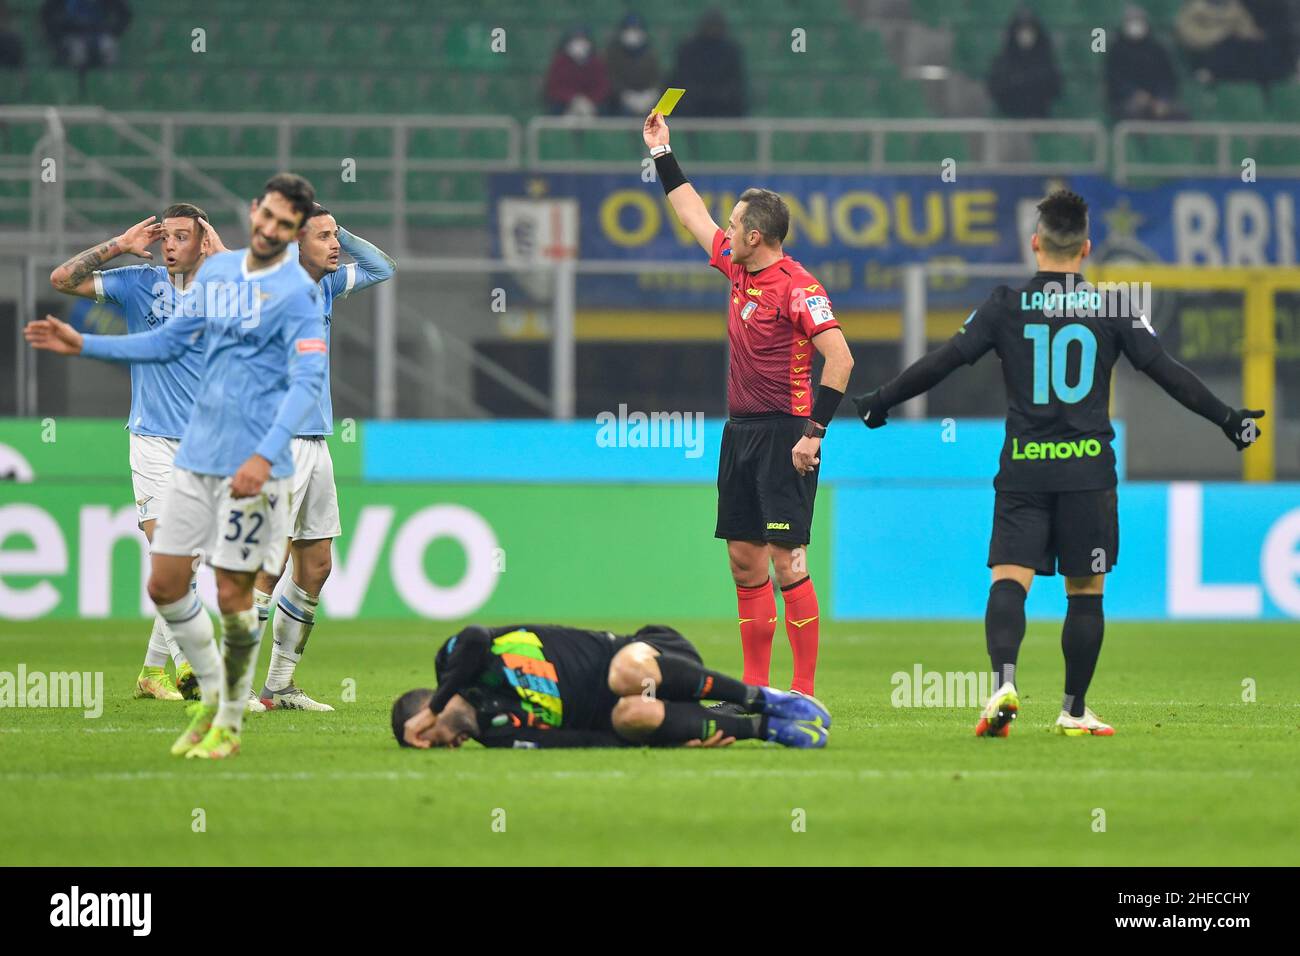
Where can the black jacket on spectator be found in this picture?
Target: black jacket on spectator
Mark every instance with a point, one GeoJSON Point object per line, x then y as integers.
{"type": "Point", "coordinates": [711, 68]}
{"type": "Point", "coordinates": [1024, 81]}
{"type": "Point", "coordinates": [1138, 65]}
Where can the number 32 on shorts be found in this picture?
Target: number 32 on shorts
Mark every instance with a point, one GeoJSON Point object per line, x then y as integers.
{"type": "Point", "coordinates": [236, 522]}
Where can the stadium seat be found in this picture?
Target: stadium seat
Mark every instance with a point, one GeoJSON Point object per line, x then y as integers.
{"type": "Point", "coordinates": [1239, 102]}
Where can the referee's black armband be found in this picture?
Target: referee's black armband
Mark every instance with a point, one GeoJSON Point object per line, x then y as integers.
{"type": "Point", "coordinates": [828, 399]}
{"type": "Point", "coordinates": [670, 174]}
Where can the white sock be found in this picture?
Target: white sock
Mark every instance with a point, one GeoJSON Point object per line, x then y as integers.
{"type": "Point", "coordinates": [294, 617]}
{"type": "Point", "coordinates": [240, 637]}
{"type": "Point", "coordinates": [191, 628]}
{"type": "Point", "coordinates": [156, 655]}
{"type": "Point", "coordinates": [262, 604]}
{"type": "Point", "coordinates": [178, 656]}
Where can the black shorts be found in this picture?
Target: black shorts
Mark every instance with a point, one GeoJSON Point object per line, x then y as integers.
{"type": "Point", "coordinates": [760, 495]}
{"type": "Point", "coordinates": [665, 640]}
{"type": "Point", "coordinates": [1075, 532]}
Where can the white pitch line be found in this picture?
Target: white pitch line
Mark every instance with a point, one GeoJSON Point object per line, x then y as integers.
{"type": "Point", "coordinates": [794, 773]}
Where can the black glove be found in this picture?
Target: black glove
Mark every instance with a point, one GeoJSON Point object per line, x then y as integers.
{"type": "Point", "coordinates": [1241, 428]}
{"type": "Point", "coordinates": [871, 410]}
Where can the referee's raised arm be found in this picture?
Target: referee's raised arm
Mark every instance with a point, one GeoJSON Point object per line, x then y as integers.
{"type": "Point", "coordinates": [686, 202]}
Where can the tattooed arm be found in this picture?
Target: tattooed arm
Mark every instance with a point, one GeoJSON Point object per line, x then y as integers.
{"type": "Point", "coordinates": [77, 275]}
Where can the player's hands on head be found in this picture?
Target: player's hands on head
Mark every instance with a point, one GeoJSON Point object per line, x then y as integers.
{"type": "Point", "coordinates": [250, 477]}
{"type": "Point", "coordinates": [53, 335]}
{"type": "Point", "coordinates": [871, 410]}
{"type": "Point", "coordinates": [140, 237]}
{"type": "Point", "coordinates": [655, 131]}
{"type": "Point", "coordinates": [212, 243]}
{"type": "Point", "coordinates": [717, 740]}
{"type": "Point", "coordinates": [1241, 427]}
{"type": "Point", "coordinates": [418, 728]}
{"type": "Point", "coordinates": [804, 454]}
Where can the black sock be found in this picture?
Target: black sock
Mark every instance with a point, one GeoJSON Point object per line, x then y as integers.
{"type": "Point", "coordinates": [1004, 628]}
{"type": "Point", "coordinates": [688, 721]}
{"type": "Point", "coordinates": [683, 679]}
{"type": "Point", "coordinates": [1085, 623]}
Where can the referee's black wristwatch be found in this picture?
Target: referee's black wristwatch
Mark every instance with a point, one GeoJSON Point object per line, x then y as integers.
{"type": "Point", "coordinates": [812, 430]}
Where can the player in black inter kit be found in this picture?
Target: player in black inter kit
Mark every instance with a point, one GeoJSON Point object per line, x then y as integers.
{"type": "Point", "coordinates": [1055, 506]}
{"type": "Point", "coordinates": [533, 685]}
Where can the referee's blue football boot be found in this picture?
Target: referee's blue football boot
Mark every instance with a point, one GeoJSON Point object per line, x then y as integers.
{"type": "Point", "coordinates": [807, 734]}
{"type": "Point", "coordinates": [792, 705]}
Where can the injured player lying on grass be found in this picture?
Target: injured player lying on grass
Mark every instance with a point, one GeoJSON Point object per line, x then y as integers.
{"type": "Point", "coordinates": [550, 686]}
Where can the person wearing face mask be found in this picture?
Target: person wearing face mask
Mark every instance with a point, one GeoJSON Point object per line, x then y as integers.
{"type": "Point", "coordinates": [1141, 83]}
{"type": "Point", "coordinates": [1221, 40]}
{"type": "Point", "coordinates": [576, 82]}
{"type": "Point", "coordinates": [1024, 79]}
{"type": "Point", "coordinates": [712, 67]}
{"type": "Point", "coordinates": [633, 69]}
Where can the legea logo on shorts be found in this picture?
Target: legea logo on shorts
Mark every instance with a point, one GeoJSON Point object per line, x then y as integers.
{"type": "Point", "coordinates": [778, 526]}
{"type": "Point", "coordinates": [1053, 450]}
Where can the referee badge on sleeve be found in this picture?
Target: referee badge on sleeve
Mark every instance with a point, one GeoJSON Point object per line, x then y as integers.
{"type": "Point", "coordinates": [819, 307]}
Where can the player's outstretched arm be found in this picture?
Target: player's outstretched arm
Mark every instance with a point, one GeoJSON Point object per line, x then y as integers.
{"type": "Point", "coordinates": [921, 376]}
{"type": "Point", "coordinates": [1239, 424]}
{"type": "Point", "coordinates": [160, 345]}
{"type": "Point", "coordinates": [77, 275]}
{"type": "Point", "coordinates": [686, 202]}
{"type": "Point", "coordinates": [371, 264]}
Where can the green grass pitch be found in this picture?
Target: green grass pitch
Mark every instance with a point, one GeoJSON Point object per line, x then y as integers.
{"type": "Point", "coordinates": [1194, 775]}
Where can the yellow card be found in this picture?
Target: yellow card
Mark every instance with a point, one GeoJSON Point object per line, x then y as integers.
{"type": "Point", "coordinates": [668, 101]}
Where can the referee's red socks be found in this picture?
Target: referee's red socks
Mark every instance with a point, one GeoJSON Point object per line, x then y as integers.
{"type": "Point", "coordinates": [757, 608]}
{"type": "Point", "coordinates": [801, 621]}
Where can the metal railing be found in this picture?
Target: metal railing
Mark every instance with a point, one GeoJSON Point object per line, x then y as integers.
{"type": "Point", "coordinates": [991, 136]}
{"type": "Point", "coordinates": [148, 147]}
{"type": "Point", "coordinates": [1227, 152]}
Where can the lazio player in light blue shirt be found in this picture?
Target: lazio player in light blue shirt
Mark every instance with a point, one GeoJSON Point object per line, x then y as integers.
{"type": "Point", "coordinates": [161, 394]}
{"type": "Point", "coordinates": [315, 511]}
{"type": "Point", "coordinates": [264, 368]}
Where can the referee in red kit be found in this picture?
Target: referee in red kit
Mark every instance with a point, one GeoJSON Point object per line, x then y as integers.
{"type": "Point", "coordinates": [771, 445]}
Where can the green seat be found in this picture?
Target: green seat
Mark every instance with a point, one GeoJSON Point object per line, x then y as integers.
{"type": "Point", "coordinates": [53, 88]}
{"type": "Point", "coordinates": [256, 141]}
{"type": "Point", "coordinates": [353, 42]}
{"type": "Point", "coordinates": [398, 93]}
{"type": "Point", "coordinates": [248, 41]}
{"type": "Point", "coordinates": [1279, 151]}
{"type": "Point", "coordinates": [232, 91]}
{"type": "Point", "coordinates": [468, 46]}
{"type": "Point", "coordinates": [974, 49]}
{"type": "Point", "coordinates": [289, 92]}
{"type": "Point", "coordinates": [1239, 102]}
{"type": "Point", "coordinates": [342, 93]}
{"type": "Point", "coordinates": [435, 143]}
{"type": "Point", "coordinates": [369, 141]}
{"type": "Point", "coordinates": [320, 141]}
{"type": "Point", "coordinates": [903, 98]}
{"type": "Point", "coordinates": [204, 141]}
{"type": "Point", "coordinates": [301, 41]}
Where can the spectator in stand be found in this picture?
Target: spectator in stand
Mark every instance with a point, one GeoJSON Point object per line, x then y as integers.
{"type": "Point", "coordinates": [1141, 83]}
{"type": "Point", "coordinates": [84, 33]}
{"type": "Point", "coordinates": [576, 82]}
{"type": "Point", "coordinates": [711, 68]}
{"type": "Point", "coordinates": [11, 43]}
{"type": "Point", "coordinates": [1222, 41]}
{"type": "Point", "coordinates": [1279, 26]}
{"type": "Point", "coordinates": [633, 69]}
{"type": "Point", "coordinates": [1024, 80]}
